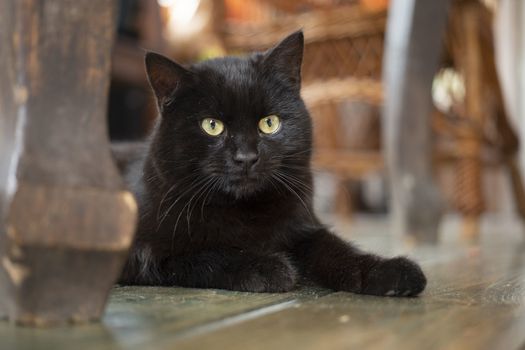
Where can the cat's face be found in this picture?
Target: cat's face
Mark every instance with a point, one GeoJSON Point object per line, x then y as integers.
{"type": "Point", "coordinates": [235, 124]}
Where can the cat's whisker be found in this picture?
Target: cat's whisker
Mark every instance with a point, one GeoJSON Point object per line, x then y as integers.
{"type": "Point", "coordinates": [178, 219]}
{"type": "Point", "coordinates": [298, 152]}
{"type": "Point", "coordinates": [299, 184]}
{"type": "Point", "coordinates": [286, 185]}
{"type": "Point", "coordinates": [270, 179]}
{"type": "Point", "coordinates": [195, 183]}
{"type": "Point", "coordinates": [182, 211]}
{"type": "Point", "coordinates": [302, 168]}
{"type": "Point", "coordinates": [299, 191]}
{"type": "Point", "coordinates": [196, 196]}
{"type": "Point", "coordinates": [292, 155]}
{"type": "Point", "coordinates": [202, 191]}
{"type": "Point", "coordinates": [297, 181]}
{"type": "Point", "coordinates": [163, 199]}
{"type": "Point", "coordinates": [211, 189]}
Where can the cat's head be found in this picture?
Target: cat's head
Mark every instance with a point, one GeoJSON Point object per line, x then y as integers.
{"type": "Point", "coordinates": [235, 123]}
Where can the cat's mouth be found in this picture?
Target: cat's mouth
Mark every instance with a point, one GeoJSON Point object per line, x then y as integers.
{"type": "Point", "coordinates": [243, 185]}
{"type": "Point", "coordinates": [242, 181]}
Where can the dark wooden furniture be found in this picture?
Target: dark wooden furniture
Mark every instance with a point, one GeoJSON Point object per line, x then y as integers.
{"type": "Point", "coordinates": [66, 221]}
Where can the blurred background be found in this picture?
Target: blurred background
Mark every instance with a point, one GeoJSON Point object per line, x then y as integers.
{"type": "Point", "coordinates": [342, 87]}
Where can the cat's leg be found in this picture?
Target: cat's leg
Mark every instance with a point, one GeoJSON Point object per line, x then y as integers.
{"type": "Point", "coordinates": [331, 262]}
{"type": "Point", "coordinates": [241, 271]}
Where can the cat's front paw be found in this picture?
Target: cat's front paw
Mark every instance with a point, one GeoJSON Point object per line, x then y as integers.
{"type": "Point", "coordinates": [273, 273]}
{"type": "Point", "coordinates": [395, 277]}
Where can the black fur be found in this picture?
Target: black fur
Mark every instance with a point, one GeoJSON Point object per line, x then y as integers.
{"type": "Point", "coordinates": [210, 220]}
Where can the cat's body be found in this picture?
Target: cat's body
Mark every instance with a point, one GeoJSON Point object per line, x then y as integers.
{"type": "Point", "coordinates": [234, 210]}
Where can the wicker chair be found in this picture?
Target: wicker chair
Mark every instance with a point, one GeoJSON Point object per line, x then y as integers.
{"type": "Point", "coordinates": [476, 129]}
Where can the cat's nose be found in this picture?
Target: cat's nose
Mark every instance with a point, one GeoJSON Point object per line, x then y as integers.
{"type": "Point", "coordinates": [247, 159]}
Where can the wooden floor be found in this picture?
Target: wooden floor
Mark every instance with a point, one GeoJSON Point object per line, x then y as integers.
{"type": "Point", "coordinates": [475, 300]}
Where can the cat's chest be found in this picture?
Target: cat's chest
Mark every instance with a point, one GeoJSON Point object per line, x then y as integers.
{"type": "Point", "coordinates": [244, 228]}
{"type": "Point", "coordinates": [241, 221]}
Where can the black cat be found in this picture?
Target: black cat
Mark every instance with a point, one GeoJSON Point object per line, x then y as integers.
{"type": "Point", "coordinates": [224, 187]}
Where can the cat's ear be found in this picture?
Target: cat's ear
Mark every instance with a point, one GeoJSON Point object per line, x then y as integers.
{"type": "Point", "coordinates": [164, 76]}
{"type": "Point", "coordinates": [286, 58]}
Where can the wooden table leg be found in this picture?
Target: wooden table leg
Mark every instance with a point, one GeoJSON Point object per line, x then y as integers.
{"type": "Point", "coordinates": [414, 43]}
{"type": "Point", "coordinates": [66, 221]}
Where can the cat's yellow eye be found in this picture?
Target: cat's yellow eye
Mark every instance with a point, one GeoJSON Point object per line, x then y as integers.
{"type": "Point", "coordinates": [270, 124]}
{"type": "Point", "coordinates": [213, 127]}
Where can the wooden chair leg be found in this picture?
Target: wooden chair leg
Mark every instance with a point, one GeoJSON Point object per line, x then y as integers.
{"type": "Point", "coordinates": [469, 57]}
{"type": "Point", "coordinates": [66, 221]}
{"type": "Point", "coordinates": [469, 195]}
